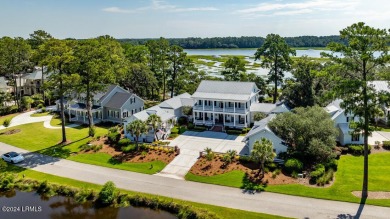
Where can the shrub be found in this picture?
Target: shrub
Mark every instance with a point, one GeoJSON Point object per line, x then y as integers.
{"type": "Point", "coordinates": [386, 145]}
{"type": "Point", "coordinates": [245, 159]}
{"type": "Point", "coordinates": [358, 149]}
{"type": "Point", "coordinates": [107, 194]}
{"type": "Point", "coordinates": [293, 165]}
{"type": "Point", "coordinates": [276, 173]}
{"type": "Point", "coordinates": [96, 148]}
{"type": "Point", "coordinates": [209, 154]}
{"type": "Point", "coordinates": [182, 129]}
{"type": "Point", "coordinates": [143, 154]}
{"type": "Point", "coordinates": [317, 173]}
{"type": "Point", "coordinates": [124, 142]}
{"type": "Point", "coordinates": [233, 132]}
{"type": "Point", "coordinates": [173, 135]}
{"type": "Point", "coordinates": [129, 148]}
{"type": "Point", "coordinates": [332, 164]}
{"type": "Point", "coordinates": [43, 109]}
{"type": "Point", "coordinates": [114, 137]}
{"type": "Point", "coordinates": [245, 130]}
{"type": "Point", "coordinates": [3, 166]}
{"type": "Point", "coordinates": [325, 178]}
{"type": "Point", "coordinates": [190, 126]}
{"type": "Point", "coordinates": [200, 128]}
{"type": "Point", "coordinates": [7, 181]}
{"type": "Point", "coordinates": [92, 131]}
{"type": "Point", "coordinates": [182, 120]}
{"type": "Point", "coordinates": [174, 130]}
{"type": "Point", "coordinates": [40, 106]}
{"type": "Point", "coordinates": [83, 195]}
{"type": "Point", "coordinates": [227, 159]}
{"type": "Point", "coordinates": [7, 122]}
{"type": "Point", "coordinates": [113, 129]}
{"type": "Point", "coordinates": [271, 166]}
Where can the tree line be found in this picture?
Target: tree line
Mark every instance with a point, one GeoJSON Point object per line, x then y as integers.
{"type": "Point", "coordinates": [241, 42]}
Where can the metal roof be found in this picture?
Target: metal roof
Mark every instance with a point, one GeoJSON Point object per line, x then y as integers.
{"type": "Point", "coordinates": [225, 90]}
{"type": "Point", "coordinates": [380, 86]}
{"type": "Point", "coordinates": [174, 102]}
{"type": "Point", "coordinates": [262, 107]}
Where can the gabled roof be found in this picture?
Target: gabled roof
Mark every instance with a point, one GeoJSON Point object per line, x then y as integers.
{"type": "Point", "coordinates": [262, 107]}
{"type": "Point", "coordinates": [260, 126]}
{"type": "Point", "coordinates": [225, 90]}
{"type": "Point", "coordinates": [174, 102]}
{"type": "Point", "coordinates": [334, 108]}
{"type": "Point", "coordinates": [117, 100]}
{"type": "Point", "coordinates": [380, 86]}
{"type": "Point", "coordinates": [344, 127]}
{"type": "Point", "coordinates": [36, 74]}
{"type": "Point", "coordinates": [101, 95]}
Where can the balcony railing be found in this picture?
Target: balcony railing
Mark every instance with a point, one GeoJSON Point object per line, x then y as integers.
{"type": "Point", "coordinates": [218, 109]}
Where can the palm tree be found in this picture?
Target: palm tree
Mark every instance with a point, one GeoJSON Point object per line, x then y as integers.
{"type": "Point", "coordinates": [377, 113]}
{"type": "Point", "coordinates": [262, 152]}
{"type": "Point", "coordinates": [209, 154]}
{"type": "Point", "coordinates": [154, 121]}
{"type": "Point", "coordinates": [137, 128]}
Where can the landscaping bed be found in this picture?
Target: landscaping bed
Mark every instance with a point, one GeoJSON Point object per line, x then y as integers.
{"type": "Point", "coordinates": [205, 168]}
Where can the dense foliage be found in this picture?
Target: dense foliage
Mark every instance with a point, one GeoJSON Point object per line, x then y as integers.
{"type": "Point", "coordinates": [242, 42]}
{"type": "Point", "coordinates": [310, 133]}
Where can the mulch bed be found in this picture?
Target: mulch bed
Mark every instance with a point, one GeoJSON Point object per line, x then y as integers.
{"type": "Point", "coordinates": [132, 157]}
{"type": "Point", "coordinates": [10, 132]}
{"type": "Point", "coordinates": [204, 167]}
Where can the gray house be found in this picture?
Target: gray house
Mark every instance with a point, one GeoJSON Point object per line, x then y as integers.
{"type": "Point", "coordinates": [113, 105]}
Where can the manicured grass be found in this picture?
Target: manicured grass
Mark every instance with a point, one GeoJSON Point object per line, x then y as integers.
{"type": "Point", "coordinates": [348, 178]}
{"type": "Point", "coordinates": [40, 114]}
{"type": "Point", "coordinates": [222, 212]}
{"type": "Point", "coordinates": [10, 116]}
{"type": "Point", "coordinates": [56, 121]}
{"type": "Point", "coordinates": [34, 137]}
{"type": "Point", "coordinates": [103, 159]}
{"type": "Point", "coordinates": [232, 179]}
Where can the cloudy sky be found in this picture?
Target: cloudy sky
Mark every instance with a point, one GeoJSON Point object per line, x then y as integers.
{"type": "Point", "coordinates": [188, 18]}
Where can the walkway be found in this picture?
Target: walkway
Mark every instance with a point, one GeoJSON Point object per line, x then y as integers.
{"type": "Point", "coordinates": [191, 143]}
{"type": "Point", "coordinates": [26, 118]}
{"type": "Point", "coordinates": [271, 203]}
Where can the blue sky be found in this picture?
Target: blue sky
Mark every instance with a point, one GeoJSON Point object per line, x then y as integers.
{"type": "Point", "coordinates": [188, 18]}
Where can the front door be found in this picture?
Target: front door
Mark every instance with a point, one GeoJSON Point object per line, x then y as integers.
{"type": "Point", "coordinates": [220, 118]}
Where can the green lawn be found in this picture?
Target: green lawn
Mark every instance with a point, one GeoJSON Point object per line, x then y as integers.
{"type": "Point", "coordinates": [103, 159]}
{"type": "Point", "coordinates": [34, 137]}
{"type": "Point", "coordinates": [56, 121]}
{"type": "Point", "coordinates": [40, 114]}
{"type": "Point", "coordinates": [348, 178]}
{"type": "Point", "coordinates": [223, 212]}
{"type": "Point", "coordinates": [10, 116]}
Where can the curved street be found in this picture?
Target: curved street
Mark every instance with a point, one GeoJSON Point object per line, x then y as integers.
{"type": "Point", "coordinates": [271, 203]}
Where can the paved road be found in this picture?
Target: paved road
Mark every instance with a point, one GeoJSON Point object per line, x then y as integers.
{"type": "Point", "coordinates": [191, 143]}
{"type": "Point", "coordinates": [271, 203]}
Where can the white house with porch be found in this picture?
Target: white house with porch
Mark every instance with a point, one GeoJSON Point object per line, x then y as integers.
{"type": "Point", "coordinates": [224, 103]}
{"type": "Point", "coordinates": [112, 105]}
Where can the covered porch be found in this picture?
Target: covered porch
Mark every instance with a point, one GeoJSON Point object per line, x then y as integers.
{"type": "Point", "coordinates": [230, 120]}
{"type": "Point", "coordinates": [78, 113]}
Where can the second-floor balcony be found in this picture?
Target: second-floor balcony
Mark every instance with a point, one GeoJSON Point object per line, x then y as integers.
{"type": "Point", "coordinates": [220, 109]}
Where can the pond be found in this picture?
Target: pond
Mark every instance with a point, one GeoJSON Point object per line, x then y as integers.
{"type": "Point", "coordinates": [31, 205]}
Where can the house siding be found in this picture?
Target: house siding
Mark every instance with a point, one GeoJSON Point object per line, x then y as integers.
{"type": "Point", "coordinates": [276, 141]}
{"type": "Point", "coordinates": [114, 116]}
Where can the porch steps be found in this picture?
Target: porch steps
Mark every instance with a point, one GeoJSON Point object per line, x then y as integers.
{"type": "Point", "coordinates": [217, 128]}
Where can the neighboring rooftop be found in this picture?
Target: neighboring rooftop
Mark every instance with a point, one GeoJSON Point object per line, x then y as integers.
{"type": "Point", "coordinates": [261, 125]}
{"type": "Point", "coordinates": [262, 107]}
{"type": "Point", "coordinates": [118, 99]}
{"type": "Point", "coordinates": [144, 114]}
{"type": "Point", "coordinates": [176, 102]}
{"type": "Point", "coordinates": [225, 90]}
{"type": "Point", "coordinates": [380, 86]}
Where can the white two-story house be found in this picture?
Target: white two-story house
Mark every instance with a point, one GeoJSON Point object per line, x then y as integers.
{"type": "Point", "coordinates": [224, 103]}
{"type": "Point", "coordinates": [342, 120]}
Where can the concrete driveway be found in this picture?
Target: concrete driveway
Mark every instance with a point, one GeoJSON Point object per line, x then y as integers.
{"type": "Point", "coordinates": [191, 143]}
{"type": "Point", "coordinates": [378, 136]}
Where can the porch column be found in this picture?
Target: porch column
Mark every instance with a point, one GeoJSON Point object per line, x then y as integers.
{"type": "Point", "coordinates": [245, 120]}
{"type": "Point", "coordinates": [84, 116]}
{"type": "Point", "coordinates": [234, 120]}
{"type": "Point", "coordinates": [204, 116]}
{"type": "Point", "coordinates": [234, 107]}
{"type": "Point", "coordinates": [223, 119]}
{"type": "Point", "coordinates": [213, 117]}
{"type": "Point", "coordinates": [213, 105]}
{"type": "Point", "coordinates": [203, 105]}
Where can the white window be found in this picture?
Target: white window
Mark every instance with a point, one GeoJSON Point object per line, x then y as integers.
{"type": "Point", "coordinates": [355, 137]}
{"type": "Point", "coordinates": [347, 119]}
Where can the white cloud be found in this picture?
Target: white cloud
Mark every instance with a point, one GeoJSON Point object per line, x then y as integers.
{"type": "Point", "coordinates": [306, 7]}
{"type": "Point", "coordinates": [159, 5]}
{"type": "Point", "coordinates": [116, 10]}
